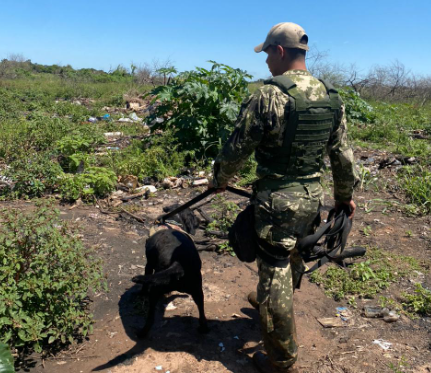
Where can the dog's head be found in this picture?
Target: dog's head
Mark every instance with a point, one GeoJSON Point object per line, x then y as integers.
{"type": "Point", "coordinates": [188, 220]}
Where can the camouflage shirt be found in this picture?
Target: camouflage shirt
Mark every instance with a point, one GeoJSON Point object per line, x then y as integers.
{"type": "Point", "coordinates": [260, 126]}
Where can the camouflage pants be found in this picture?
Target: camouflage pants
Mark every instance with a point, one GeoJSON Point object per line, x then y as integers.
{"type": "Point", "coordinates": [281, 216]}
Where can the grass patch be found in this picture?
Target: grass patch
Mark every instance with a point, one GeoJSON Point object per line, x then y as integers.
{"type": "Point", "coordinates": [368, 278]}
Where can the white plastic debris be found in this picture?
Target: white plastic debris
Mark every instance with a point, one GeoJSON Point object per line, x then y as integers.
{"type": "Point", "coordinates": [127, 120]}
{"type": "Point", "coordinates": [156, 121]}
{"type": "Point", "coordinates": [109, 135]}
{"type": "Point", "coordinates": [134, 117]}
{"type": "Point", "coordinates": [150, 188]}
{"type": "Point", "coordinates": [383, 344]}
{"type": "Point", "coordinates": [158, 367]}
{"type": "Point", "coordinates": [200, 182]}
{"type": "Point", "coordinates": [221, 345]}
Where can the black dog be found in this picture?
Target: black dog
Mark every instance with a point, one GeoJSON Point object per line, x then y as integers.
{"type": "Point", "coordinates": [173, 264]}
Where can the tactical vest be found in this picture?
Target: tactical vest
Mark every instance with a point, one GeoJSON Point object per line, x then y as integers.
{"type": "Point", "coordinates": [309, 125]}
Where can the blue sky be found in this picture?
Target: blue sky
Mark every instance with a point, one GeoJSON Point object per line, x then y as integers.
{"type": "Point", "coordinates": [103, 34]}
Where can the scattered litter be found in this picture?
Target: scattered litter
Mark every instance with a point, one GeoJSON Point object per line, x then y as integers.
{"type": "Point", "coordinates": [344, 313]}
{"type": "Point", "coordinates": [130, 181]}
{"type": "Point", "coordinates": [77, 102]}
{"type": "Point", "coordinates": [110, 135]}
{"type": "Point", "coordinates": [92, 120]}
{"type": "Point", "coordinates": [127, 120]}
{"type": "Point", "coordinates": [112, 334]}
{"type": "Point", "coordinates": [221, 345]}
{"type": "Point", "coordinates": [373, 311]}
{"type": "Point", "coordinates": [158, 367]}
{"type": "Point", "coordinates": [134, 117]}
{"type": "Point", "coordinates": [150, 188]}
{"type": "Point", "coordinates": [156, 121]}
{"type": "Point", "coordinates": [392, 316]}
{"type": "Point", "coordinates": [235, 315]}
{"type": "Point", "coordinates": [201, 173]}
{"type": "Point", "coordinates": [112, 148]}
{"type": "Point", "coordinates": [61, 362]}
{"type": "Point", "coordinates": [236, 337]}
{"type": "Point", "coordinates": [172, 182]}
{"type": "Point", "coordinates": [331, 322]}
{"type": "Point", "coordinates": [380, 312]}
{"type": "Point", "coordinates": [170, 307]}
{"type": "Point", "coordinates": [344, 317]}
{"type": "Point", "coordinates": [106, 117]}
{"type": "Point", "coordinates": [200, 182]}
{"type": "Point", "coordinates": [383, 344]}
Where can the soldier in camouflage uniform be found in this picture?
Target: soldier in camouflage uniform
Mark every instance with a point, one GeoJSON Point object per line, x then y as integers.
{"type": "Point", "coordinates": [288, 193]}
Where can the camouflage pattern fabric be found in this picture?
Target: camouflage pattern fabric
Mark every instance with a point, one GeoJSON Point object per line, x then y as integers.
{"type": "Point", "coordinates": [285, 208]}
{"type": "Point", "coordinates": [275, 297]}
{"type": "Point", "coordinates": [260, 127]}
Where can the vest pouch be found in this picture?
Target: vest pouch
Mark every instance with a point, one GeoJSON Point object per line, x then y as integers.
{"type": "Point", "coordinates": [240, 238]}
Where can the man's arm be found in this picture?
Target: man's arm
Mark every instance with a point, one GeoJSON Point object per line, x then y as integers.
{"type": "Point", "coordinates": [342, 164]}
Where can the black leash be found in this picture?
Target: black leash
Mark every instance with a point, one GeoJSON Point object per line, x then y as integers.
{"type": "Point", "coordinates": [200, 197]}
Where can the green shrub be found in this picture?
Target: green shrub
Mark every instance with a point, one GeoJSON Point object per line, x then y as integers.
{"type": "Point", "coordinates": [6, 359]}
{"type": "Point", "coordinates": [202, 105]}
{"type": "Point", "coordinates": [94, 181]}
{"type": "Point", "coordinates": [416, 183]}
{"type": "Point", "coordinates": [33, 176]}
{"type": "Point", "coordinates": [45, 275]}
{"type": "Point", "coordinates": [357, 109]}
{"type": "Point", "coordinates": [224, 215]}
{"type": "Point", "coordinates": [365, 279]}
{"type": "Point", "coordinates": [419, 302]}
{"type": "Point", "coordinates": [158, 156]}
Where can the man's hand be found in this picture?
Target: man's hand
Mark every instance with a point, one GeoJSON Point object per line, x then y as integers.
{"type": "Point", "coordinates": [350, 204]}
{"type": "Point", "coordinates": [220, 189]}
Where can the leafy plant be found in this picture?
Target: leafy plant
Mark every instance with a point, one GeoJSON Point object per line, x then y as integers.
{"type": "Point", "coordinates": [202, 105]}
{"type": "Point", "coordinates": [34, 175]}
{"type": "Point", "coordinates": [45, 275]}
{"type": "Point", "coordinates": [416, 183]}
{"type": "Point", "coordinates": [6, 359]}
{"type": "Point", "coordinates": [357, 109]}
{"type": "Point", "coordinates": [365, 279]}
{"type": "Point", "coordinates": [97, 181]}
{"type": "Point", "coordinates": [420, 301]}
{"type": "Point", "coordinates": [224, 215]}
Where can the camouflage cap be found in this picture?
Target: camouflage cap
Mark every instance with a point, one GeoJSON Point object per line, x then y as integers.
{"type": "Point", "coordinates": [286, 34]}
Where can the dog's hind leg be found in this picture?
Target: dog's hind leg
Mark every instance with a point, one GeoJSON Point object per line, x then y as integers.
{"type": "Point", "coordinates": [198, 297]}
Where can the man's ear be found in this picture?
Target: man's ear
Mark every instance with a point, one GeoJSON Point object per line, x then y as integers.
{"type": "Point", "coordinates": [281, 51]}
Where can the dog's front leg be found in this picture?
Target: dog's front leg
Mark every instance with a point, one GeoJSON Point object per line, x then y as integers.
{"type": "Point", "coordinates": [152, 300]}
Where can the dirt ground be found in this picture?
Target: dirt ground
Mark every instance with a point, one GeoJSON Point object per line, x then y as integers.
{"type": "Point", "coordinates": [174, 344]}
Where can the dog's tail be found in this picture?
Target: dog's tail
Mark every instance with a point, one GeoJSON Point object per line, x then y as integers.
{"type": "Point", "coordinates": [164, 277]}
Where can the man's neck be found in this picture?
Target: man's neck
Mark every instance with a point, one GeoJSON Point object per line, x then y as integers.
{"type": "Point", "coordinates": [296, 65]}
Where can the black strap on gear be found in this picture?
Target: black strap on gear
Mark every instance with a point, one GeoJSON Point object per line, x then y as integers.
{"type": "Point", "coordinates": [333, 248]}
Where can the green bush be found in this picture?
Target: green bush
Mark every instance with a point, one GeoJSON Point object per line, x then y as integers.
{"type": "Point", "coordinates": [202, 105]}
{"type": "Point", "coordinates": [45, 276]}
{"type": "Point", "coordinates": [33, 176]}
{"type": "Point", "coordinates": [6, 359]}
{"type": "Point", "coordinates": [94, 181]}
{"type": "Point", "coordinates": [157, 156]}
{"type": "Point", "coordinates": [357, 109]}
{"type": "Point", "coordinates": [416, 183]}
{"type": "Point", "coordinates": [419, 302]}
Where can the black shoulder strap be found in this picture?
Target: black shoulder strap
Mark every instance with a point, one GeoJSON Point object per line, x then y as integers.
{"type": "Point", "coordinates": [289, 87]}
{"type": "Point", "coordinates": [334, 97]}
{"type": "Point", "coordinates": [281, 81]}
